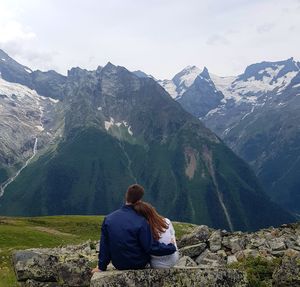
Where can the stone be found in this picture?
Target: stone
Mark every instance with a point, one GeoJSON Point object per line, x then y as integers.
{"type": "Point", "coordinates": [193, 250]}
{"type": "Point", "coordinates": [186, 261]}
{"type": "Point", "coordinates": [240, 255]}
{"type": "Point", "coordinates": [74, 272]}
{"type": "Point", "coordinates": [67, 266]}
{"type": "Point", "coordinates": [256, 242]}
{"type": "Point", "coordinates": [250, 253]}
{"type": "Point", "coordinates": [200, 234]}
{"type": "Point", "coordinates": [236, 244]}
{"type": "Point", "coordinates": [215, 241]}
{"type": "Point", "coordinates": [277, 244]}
{"type": "Point", "coordinates": [288, 273]}
{"type": "Point", "coordinates": [222, 253]}
{"type": "Point", "coordinates": [210, 259]}
{"type": "Point", "coordinates": [33, 283]}
{"type": "Point", "coordinates": [175, 277]}
{"type": "Point", "coordinates": [231, 259]}
{"type": "Point", "coordinates": [33, 265]}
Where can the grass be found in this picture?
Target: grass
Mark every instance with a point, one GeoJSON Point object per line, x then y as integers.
{"type": "Point", "coordinates": [259, 270]}
{"type": "Point", "coordinates": [17, 233]}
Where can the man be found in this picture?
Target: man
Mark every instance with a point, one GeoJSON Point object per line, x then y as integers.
{"type": "Point", "coordinates": [126, 238]}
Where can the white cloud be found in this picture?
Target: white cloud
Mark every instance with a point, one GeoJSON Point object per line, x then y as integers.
{"type": "Point", "coordinates": [217, 40]}
{"type": "Point", "coordinates": [158, 37]}
{"type": "Point", "coordinates": [13, 31]}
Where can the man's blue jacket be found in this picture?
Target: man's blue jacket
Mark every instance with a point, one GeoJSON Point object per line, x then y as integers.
{"type": "Point", "coordinates": [127, 241]}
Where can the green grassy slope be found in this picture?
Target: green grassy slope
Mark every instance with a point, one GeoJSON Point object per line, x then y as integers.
{"type": "Point", "coordinates": [51, 231]}
{"type": "Point", "coordinates": [90, 171]}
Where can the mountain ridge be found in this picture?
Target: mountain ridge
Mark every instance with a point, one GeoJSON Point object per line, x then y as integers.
{"type": "Point", "coordinates": [256, 115]}
{"type": "Point", "coordinates": [118, 128]}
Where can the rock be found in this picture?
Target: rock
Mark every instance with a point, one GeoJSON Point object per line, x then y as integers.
{"type": "Point", "coordinates": [33, 265]}
{"type": "Point", "coordinates": [250, 253]}
{"type": "Point", "coordinates": [199, 235]}
{"type": "Point", "coordinates": [67, 266]}
{"type": "Point", "coordinates": [33, 283]}
{"type": "Point", "coordinates": [288, 273]}
{"type": "Point", "coordinates": [186, 261]}
{"type": "Point", "coordinates": [215, 241]}
{"type": "Point", "coordinates": [222, 253]}
{"type": "Point", "coordinates": [231, 259]}
{"type": "Point", "coordinates": [256, 242]}
{"type": "Point", "coordinates": [193, 251]}
{"type": "Point", "coordinates": [240, 255]}
{"type": "Point", "coordinates": [175, 277]}
{"type": "Point", "coordinates": [277, 244]}
{"type": "Point", "coordinates": [75, 273]}
{"type": "Point", "coordinates": [236, 244]}
{"type": "Point", "coordinates": [210, 259]}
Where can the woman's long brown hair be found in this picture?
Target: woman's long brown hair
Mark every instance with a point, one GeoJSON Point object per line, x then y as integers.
{"type": "Point", "coordinates": [157, 223]}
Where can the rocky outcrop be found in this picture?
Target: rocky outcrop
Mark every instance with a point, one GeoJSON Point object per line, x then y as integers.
{"type": "Point", "coordinates": [183, 277]}
{"type": "Point", "coordinates": [207, 258]}
{"type": "Point", "coordinates": [67, 266]}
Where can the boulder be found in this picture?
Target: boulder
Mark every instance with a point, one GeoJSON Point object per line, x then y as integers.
{"type": "Point", "coordinates": [48, 267]}
{"type": "Point", "coordinates": [210, 259]}
{"type": "Point", "coordinates": [186, 261]}
{"type": "Point", "coordinates": [199, 235]}
{"type": "Point", "coordinates": [215, 241]}
{"type": "Point", "coordinates": [175, 277]}
{"type": "Point", "coordinates": [34, 265]}
{"type": "Point", "coordinates": [277, 244]}
{"type": "Point", "coordinates": [237, 244]}
{"type": "Point", "coordinates": [193, 250]}
{"type": "Point", "coordinates": [231, 259]}
{"type": "Point", "coordinates": [288, 273]}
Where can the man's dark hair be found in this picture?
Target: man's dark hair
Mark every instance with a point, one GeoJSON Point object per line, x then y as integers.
{"type": "Point", "coordinates": [134, 193]}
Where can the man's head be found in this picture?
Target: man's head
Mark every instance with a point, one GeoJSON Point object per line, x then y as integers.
{"type": "Point", "coordinates": [134, 193]}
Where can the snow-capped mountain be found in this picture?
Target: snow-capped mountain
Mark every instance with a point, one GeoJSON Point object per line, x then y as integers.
{"type": "Point", "coordinates": [27, 122]}
{"type": "Point", "coordinates": [180, 82]}
{"type": "Point", "coordinates": [118, 128]}
{"type": "Point", "coordinates": [256, 114]}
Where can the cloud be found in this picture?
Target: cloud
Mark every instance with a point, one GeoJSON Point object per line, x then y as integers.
{"type": "Point", "coordinates": [12, 31]}
{"type": "Point", "coordinates": [217, 39]}
{"type": "Point", "coordinates": [265, 28]}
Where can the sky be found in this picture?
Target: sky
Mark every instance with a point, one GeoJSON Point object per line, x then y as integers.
{"type": "Point", "coordinates": [159, 37]}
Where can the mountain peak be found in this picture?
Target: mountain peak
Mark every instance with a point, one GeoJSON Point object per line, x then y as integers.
{"type": "Point", "coordinates": [275, 69]}
{"type": "Point", "coordinates": [186, 77]}
{"type": "Point", "coordinates": [109, 66]}
{"type": "Point", "coordinates": [205, 73]}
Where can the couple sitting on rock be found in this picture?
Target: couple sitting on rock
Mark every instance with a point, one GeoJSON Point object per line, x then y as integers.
{"type": "Point", "coordinates": [135, 235]}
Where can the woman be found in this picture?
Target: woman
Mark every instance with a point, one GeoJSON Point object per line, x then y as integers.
{"type": "Point", "coordinates": [162, 230]}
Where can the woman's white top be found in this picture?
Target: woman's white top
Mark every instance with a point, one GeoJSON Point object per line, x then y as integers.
{"type": "Point", "coordinates": [169, 260]}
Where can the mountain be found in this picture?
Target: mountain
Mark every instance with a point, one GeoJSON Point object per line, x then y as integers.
{"type": "Point", "coordinates": [257, 115]}
{"type": "Point", "coordinates": [180, 82]}
{"type": "Point", "coordinates": [26, 124]}
{"type": "Point", "coordinates": [48, 84]}
{"type": "Point", "coordinates": [114, 129]}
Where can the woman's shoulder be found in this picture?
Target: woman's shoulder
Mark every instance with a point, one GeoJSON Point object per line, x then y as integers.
{"type": "Point", "coordinates": [167, 220]}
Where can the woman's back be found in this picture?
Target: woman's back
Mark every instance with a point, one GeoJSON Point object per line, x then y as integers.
{"type": "Point", "coordinates": [169, 260]}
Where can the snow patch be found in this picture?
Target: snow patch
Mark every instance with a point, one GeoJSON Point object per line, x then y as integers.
{"type": "Point", "coordinates": [39, 128]}
{"type": "Point", "coordinates": [170, 87]}
{"type": "Point", "coordinates": [99, 108]}
{"type": "Point", "coordinates": [296, 86]}
{"type": "Point", "coordinates": [111, 123]}
{"type": "Point", "coordinates": [53, 100]}
{"type": "Point", "coordinates": [249, 90]}
{"type": "Point", "coordinates": [213, 111]}
{"type": "Point", "coordinates": [189, 76]}
{"type": "Point", "coordinates": [4, 60]}
{"type": "Point", "coordinates": [28, 70]}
